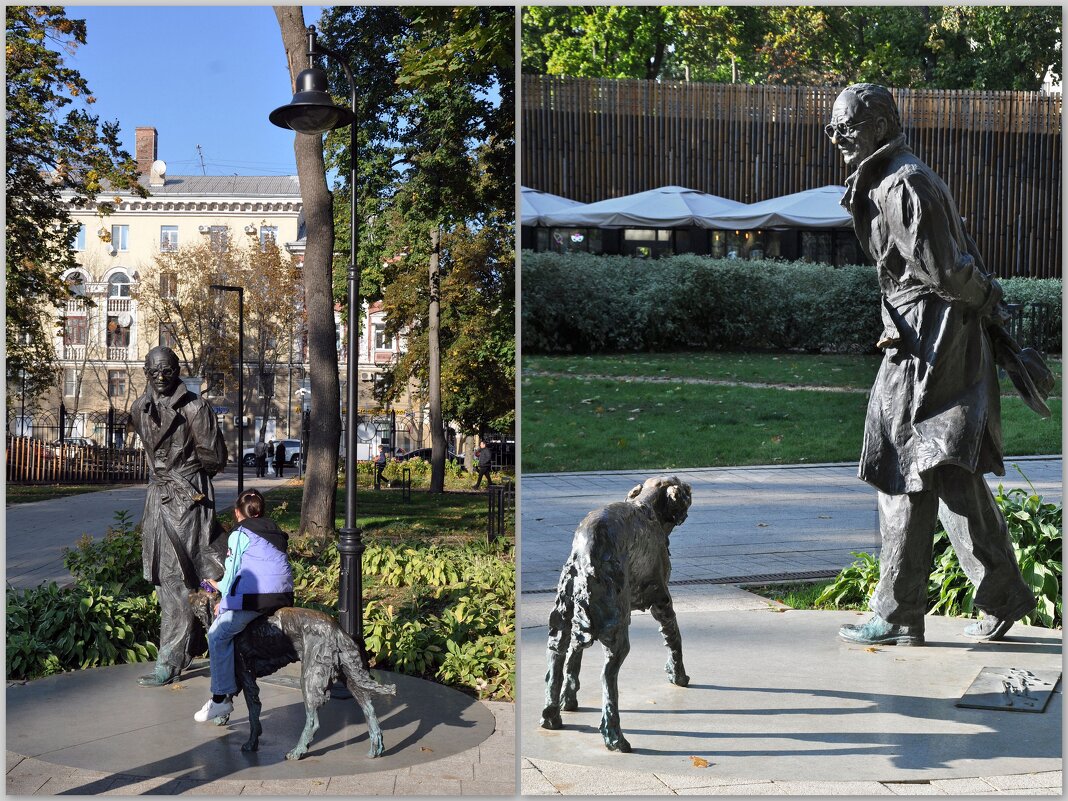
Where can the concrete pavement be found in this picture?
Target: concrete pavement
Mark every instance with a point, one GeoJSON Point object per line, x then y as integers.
{"type": "Point", "coordinates": [745, 523]}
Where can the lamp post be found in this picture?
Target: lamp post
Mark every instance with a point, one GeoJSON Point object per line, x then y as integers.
{"type": "Point", "coordinates": [240, 380]}
{"type": "Point", "coordinates": [313, 111]}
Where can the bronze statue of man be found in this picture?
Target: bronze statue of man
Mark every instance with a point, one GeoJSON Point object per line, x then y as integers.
{"type": "Point", "coordinates": [933, 424]}
{"type": "Point", "coordinates": [179, 531]}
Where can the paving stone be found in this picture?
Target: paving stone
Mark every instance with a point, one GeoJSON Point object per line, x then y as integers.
{"type": "Point", "coordinates": [220, 788]}
{"type": "Point", "coordinates": [579, 779]}
{"type": "Point", "coordinates": [367, 784]}
{"type": "Point", "coordinates": [963, 786]}
{"type": "Point", "coordinates": [139, 785]}
{"type": "Point", "coordinates": [498, 789]}
{"type": "Point", "coordinates": [913, 788]}
{"type": "Point", "coordinates": [407, 785]}
{"type": "Point", "coordinates": [701, 778]}
{"type": "Point", "coordinates": [495, 771]}
{"type": "Point", "coordinates": [830, 788]}
{"type": "Point", "coordinates": [1032, 791]}
{"type": "Point", "coordinates": [76, 784]}
{"type": "Point", "coordinates": [533, 783]}
{"type": "Point", "coordinates": [13, 759]}
{"type": "Point", "coordinates": [284, 787]}
{"type": "Point", "coordinates": [1025, 781]}
{"type": "Point", "coordinates": [755, 788]}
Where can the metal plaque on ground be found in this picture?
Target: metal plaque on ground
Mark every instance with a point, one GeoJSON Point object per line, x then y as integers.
{"type": "Point", "coordinates": [1011, 689]}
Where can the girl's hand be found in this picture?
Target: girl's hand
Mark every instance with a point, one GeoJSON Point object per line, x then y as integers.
{"type": "Point", "coordinates": [217, 608]}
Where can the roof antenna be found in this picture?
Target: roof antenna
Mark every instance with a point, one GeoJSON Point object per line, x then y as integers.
{"type": "Point", "coordinates": [200, 152]}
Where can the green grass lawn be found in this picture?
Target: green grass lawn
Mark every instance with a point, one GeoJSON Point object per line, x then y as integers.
{"type": "Point", "coordinates": [575, 423]}
{"type": "Point", "coordinates": [26, 493]}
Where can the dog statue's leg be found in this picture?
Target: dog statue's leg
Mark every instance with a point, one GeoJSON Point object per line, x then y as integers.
{"type": "Point", "coordinates": [314, 683]}
{"type": "Point", "coordinates": [616, 645]}
{"type": "Point", "coordinates": [374, 730]}
{"type": "Point", "coordinates": [559, 638]}
{"type": "Point", "coordinates": [251, 691]}
{"type": "Point", "coordinates": [663, 612]}
{"type": "Point", "coordinates": [572, 666]}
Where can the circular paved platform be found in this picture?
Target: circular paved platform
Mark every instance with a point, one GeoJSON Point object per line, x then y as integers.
{"type": "Point", "coordinates": [779, 696]}
{"type": "Point", "coordinates": [102, 720]}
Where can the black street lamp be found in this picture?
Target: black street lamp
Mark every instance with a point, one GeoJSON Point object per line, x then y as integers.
{"type": "Point", "coordinates": [240, 380]}
{"type": "Point", "coordinates": [313, 112]}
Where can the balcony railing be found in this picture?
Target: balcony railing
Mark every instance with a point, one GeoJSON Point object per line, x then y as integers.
{"type": "Point", "coordinates": [76, 306]}
{"type": "Point", "coordinates": [118, 354]}
{"type": "Point", "coordinates": [74, 352]}
{"type": "Point", "coordinates": [117, 305]}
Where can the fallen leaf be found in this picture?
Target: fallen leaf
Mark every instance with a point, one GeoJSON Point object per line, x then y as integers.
{"type": "Point", "coordinates": [762, 525]}
{"type": "Point", "coordinates": [871, 649]}
{"type": "Point", "coordinates": [424, 748]}
{"type": "Point", "coordinates": [652, 701]}
{"type": "Point", "coordinates": [174, 687]}
{"type": "Point", "coordinates": [698, 762]}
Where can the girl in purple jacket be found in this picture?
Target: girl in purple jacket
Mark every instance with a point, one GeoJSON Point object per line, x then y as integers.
{"type": "Point", "coordinates": [257, 580]}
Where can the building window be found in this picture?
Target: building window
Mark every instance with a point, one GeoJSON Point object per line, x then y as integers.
{"type": "Point", "coordinates": [268, 234]}
{"type": "Point", "coordinates": [118, 335]}
{"type": "Point", "coordinates": [70, 382]}
{"type": "Point", "coordinates": [120, 237]}
{"type": "Point", "coordinates": [76, 284]}
{"type": "Point", "coordinates": [381, 341]}
{"type": "Point", "coordinates": [119, 286]}
{"type": "Point", "coordinates": [79, 239]}
{"type": "Point", "coordinates": [116, 383]}
{"type": "Point", "coordinates": [168, 238]}
{"type": "Point", "coordinates": [75, 331]}
{"type": "Point", "coordinates": [168, 336]}
{"type": "Point", "coordinates": [168, 286]}
{"type": "Point", "coordinates": [220, 238]}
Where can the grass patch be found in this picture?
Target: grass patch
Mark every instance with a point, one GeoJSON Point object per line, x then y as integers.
{"type": "Point", "coordinates": [792, 369]}
{"type": "Point", "coordinates": [28, 493]}
{"type": "Point", "coordinates": [798, 595]}
{"type": "Point", "coordinates": [577, 424]}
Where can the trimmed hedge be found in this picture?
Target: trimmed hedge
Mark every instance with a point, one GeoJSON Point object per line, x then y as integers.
{"type": "Point", "coordinates": [581, 303]}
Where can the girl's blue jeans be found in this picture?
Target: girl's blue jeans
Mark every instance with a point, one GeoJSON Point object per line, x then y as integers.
{"type": "Point", "coordinates": [226, 626]}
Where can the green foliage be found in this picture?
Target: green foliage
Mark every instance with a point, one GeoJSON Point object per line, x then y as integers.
{"type": "Point", "coordinates": [50, 150]}
{"type": "Point", "coordinates": [945, 47]}
{"type": "Point", "coordinates": [691, 301]}
{"type": "Point", "coordinates": [695, 302]}
{"type": "Point", "coordinates": [113, 560]}
{"type": "Point", "coordinates": [52, 629]}
{"type": "Point", "coordinates": [443, 613]}
{"type": "Point", "coordinates": [854, 585]}
{"type": "Point", "coordinates": [1035, 529]}
{"type": "Point", "coordinates": [109, 616]}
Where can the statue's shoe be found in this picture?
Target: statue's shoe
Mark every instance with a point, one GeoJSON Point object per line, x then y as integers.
{"type": "Point", "coordinates": [158, 677]}
{"type": "Point", "coordinates": [878, 632]}
{"type": "Point", "coordinates": [990, 628]}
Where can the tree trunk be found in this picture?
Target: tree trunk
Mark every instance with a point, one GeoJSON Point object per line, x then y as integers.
{"type": "Point", "coordinates": [318, 510]}
{"type": "Point", "coordinates": [437, 429]}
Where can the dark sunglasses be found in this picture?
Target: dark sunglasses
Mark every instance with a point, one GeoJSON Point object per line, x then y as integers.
{"type": "Point", "coordinates": [842, 130]}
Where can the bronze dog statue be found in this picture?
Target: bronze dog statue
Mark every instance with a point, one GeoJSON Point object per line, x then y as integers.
{"type": "Point", "coordinates": [619, 562]}
{"type": "Point", "coordinates": [325, 653]}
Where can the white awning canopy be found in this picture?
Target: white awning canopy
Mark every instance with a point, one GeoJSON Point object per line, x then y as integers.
{"type": "Point", "coordinates": [813, 208]}
{"type": "Point", "coordinates": [666, 207]}
{"type": "Point", "coordinates": [535, 203]}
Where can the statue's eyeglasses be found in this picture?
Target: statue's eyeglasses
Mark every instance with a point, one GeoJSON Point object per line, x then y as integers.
{"type": "Point", "coordinates": [843, 130]}
{"type": "Point", "coordinates": [166, 372]}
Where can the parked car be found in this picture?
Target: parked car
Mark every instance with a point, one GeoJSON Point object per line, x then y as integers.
{"type": "Point", "coordinates": [71, 444]}
{"type": "Point", "coordinates": [293, 453]}
{"type": "Point", "coordinates": [424, 453]}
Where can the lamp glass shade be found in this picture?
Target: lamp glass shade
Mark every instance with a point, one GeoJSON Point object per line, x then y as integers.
{"type": "Point", "coordinates": [313, 110]}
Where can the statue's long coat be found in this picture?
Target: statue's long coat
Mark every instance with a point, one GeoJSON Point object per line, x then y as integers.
{"type": "Point", "coordinates": [184, 450]}
{"type": "Point", "coordinates": [935, 400]}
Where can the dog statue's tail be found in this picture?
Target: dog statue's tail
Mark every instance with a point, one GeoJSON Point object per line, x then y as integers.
{"type": "Point", "coordinates": [351, 667]}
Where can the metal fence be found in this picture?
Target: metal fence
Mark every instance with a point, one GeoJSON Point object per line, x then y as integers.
{"type": "Point", "coordinates": [501, 499]}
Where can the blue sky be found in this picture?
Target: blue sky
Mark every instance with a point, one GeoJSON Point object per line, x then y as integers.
{"type": "Point", "coordinates": [201, 75]}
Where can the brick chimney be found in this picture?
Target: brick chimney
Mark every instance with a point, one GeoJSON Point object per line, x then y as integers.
{"type": "Point", "coordinates": [146, 148]}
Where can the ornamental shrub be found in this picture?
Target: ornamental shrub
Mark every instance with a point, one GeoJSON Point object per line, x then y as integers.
{"type": "Point", "coordinates": [582, 303]}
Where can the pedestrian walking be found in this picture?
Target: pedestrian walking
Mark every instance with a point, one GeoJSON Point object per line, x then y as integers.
{"type": "Point", "coordinates": [485, 460]}
{"type": "Point", "coordinates": [279, 458]}
{"type": "Point", "coordinates": [261, 458]}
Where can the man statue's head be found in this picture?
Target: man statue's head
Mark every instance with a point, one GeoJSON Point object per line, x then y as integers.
{"type": "Point", "coordinates": [162, 370]}
{"type": "Point", "coordinates": [863, 119]}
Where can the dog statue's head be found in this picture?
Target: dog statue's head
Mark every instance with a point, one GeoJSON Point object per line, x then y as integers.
{"type": "Point", "coordinates": [668, 497]}
{"type": "Point", "coordinates": [203, 603]}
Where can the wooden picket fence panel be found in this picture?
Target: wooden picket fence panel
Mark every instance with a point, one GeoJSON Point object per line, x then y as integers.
{"type": "Point", "coordinates": [999, 152]}
{"type": "Point", "coordinates": [32, 461]}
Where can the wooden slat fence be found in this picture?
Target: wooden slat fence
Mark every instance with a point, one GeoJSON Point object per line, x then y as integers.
{"type": "Point", "coordinates": [999, 152]}
{"type": "Point", "coordinates": [31, 461]}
